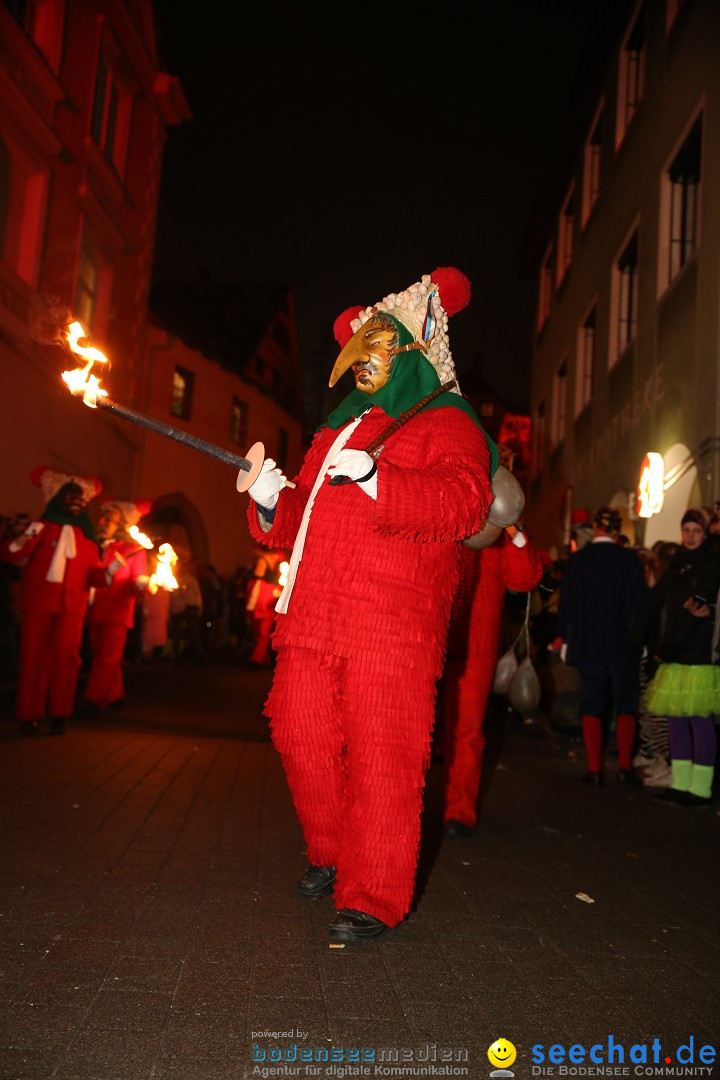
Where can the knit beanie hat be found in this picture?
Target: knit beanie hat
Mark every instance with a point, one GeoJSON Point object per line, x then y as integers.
{"type": "Point", "coordinates": [698, 515]}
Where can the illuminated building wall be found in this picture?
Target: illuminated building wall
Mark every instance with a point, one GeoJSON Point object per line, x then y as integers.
{"type": "Point", "coordinates": [627, 334]}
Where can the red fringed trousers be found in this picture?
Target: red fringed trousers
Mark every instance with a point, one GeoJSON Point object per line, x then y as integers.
{"type": "Point", "coordinates": [466, 691]}
{"type": "Point", "coordinates": [354, 737]}
{"type": "Point", "coordinates": [49, 664]}
{"type": "Point", "coordinates": [105, 682]}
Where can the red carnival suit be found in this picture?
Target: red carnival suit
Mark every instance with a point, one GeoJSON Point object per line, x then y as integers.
{"type": "Point", "coordinates": [486, 575]}
{"type": "Point", "coordinates": [110, 615]}
{"type": "Point", "coordinates": [52, 615]}
{"type": "Point", "coordinates": [363, 642]}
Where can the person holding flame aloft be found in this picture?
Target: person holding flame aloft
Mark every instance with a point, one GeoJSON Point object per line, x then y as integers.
{"type": "Point", "coordinates": [362, 622]}
{"type": "Point", "coordinates": [111, 612]}
{"type": "Point", "coordinates": [60, 563]}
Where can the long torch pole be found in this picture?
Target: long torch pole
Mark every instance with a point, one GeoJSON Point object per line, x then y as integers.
{"type": "Point", "coordinates": [177, 434]}
{"type": "Point", "coordinates": [170, 432]}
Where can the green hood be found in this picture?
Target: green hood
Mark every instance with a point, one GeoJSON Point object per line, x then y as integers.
{"type": "Point", "coordinates": [57, 512]}
{"type": "Point", "coordinates": [412, 378]}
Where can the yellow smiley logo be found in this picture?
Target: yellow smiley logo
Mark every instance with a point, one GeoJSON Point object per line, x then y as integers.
{"type": "Point", "coordinates": [502, 1054]}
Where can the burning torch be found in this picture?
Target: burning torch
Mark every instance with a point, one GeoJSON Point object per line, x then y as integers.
{"type": "Point", "coordinates": [83, 381]}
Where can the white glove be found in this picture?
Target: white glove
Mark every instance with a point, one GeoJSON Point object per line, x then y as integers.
{"type": "Point", "coordinates": [270, 482]}
{"type": "Point", "coordinates": [356, 464]}
{"type": "Point", "coordinates": [33, 529]}
{"type": "Point", "coordinates": [111, 570]}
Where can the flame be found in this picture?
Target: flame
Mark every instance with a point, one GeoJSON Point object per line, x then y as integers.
{"type": "Point", "coordinates": [163, 578]}
{"type": "Point", "coordinates": [140, 537]}
{"type": "Point", "coordinates": [79, 380]}
{"type": "Point", "coordinates": [284, 570]}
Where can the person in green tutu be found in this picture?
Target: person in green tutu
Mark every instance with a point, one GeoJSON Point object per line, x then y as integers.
{"type": "Point", "coordinates": [680, 608]}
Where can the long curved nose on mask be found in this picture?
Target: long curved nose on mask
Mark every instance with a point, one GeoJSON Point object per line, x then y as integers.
{"type": "Point", "coordinates": [350, 354]}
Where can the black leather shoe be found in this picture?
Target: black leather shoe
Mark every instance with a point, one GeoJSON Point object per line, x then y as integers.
{"type": "Point", "coordinates": [30, 728]}
{"type": "Point", "coordinates": [350, 927]}
{"type": "Point", "coordinates": [628, 776]}
{"type": "Point", "coordinates": [453, 827]}
{"type": "Point", "coordinates": [57, 725]}
{"type": "Point", "coordinates": [595, 779]}
{"type": "Point", "coordinates": [317, 881]}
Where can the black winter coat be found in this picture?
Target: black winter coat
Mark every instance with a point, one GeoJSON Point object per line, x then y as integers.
{"type": "Point", "coordinates": [663, 623]}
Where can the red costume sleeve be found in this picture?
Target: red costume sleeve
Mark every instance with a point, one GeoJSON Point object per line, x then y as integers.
{"type": "Point", "coordinates": [522, 567]}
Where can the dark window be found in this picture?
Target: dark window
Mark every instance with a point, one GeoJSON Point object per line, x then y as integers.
{"type": "Point", "coordinates": [182, 392]}
{"type": "Point", "coordinates": [110, 130]}
{"type": "Point", "coordinates": [98, 113]}
{"type": "Point", "coordinates": [635, 60]}
{"type": "Point", "coordinates": [586, 363]}
{"type": "Point", "coordinates": [238, 421]}
{"type": "Point", "coordinates": [685, 185]}
{"type": "Point", "coordinates": [87, 286]}
{"type": "Point", "coordinates": [545, 291]}
{"type": "Point", "coordinates": [628, 294]}
{"type": "Point", "coordinates": [591, 175]}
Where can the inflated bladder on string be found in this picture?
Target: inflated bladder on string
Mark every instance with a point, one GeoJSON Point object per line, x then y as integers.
{"type": "Point", "coordinates": [506, 667]}
{"type": "Point", "coordinates": [505, 509]}
{"type": "Point", "coordinates": [525, 691]}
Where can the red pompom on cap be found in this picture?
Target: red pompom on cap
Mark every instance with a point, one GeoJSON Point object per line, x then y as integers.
{"type": "Point", "coordinates": [454, 288]}
{"type": "Point", "coordinates": [143, 507]}
{"type": "Point", "coordinates": [37, 474]}
{"type": "Point", "coordinates": [342, 329]}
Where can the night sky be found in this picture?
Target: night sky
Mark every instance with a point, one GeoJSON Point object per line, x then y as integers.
{"type": "Point", "coordinates": [347, 149]}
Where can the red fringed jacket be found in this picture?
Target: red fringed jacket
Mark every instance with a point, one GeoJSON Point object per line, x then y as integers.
{"type": "Point", "coordinates": [117, 604]}
{"type": "Point", "coordinates": [380, 575]}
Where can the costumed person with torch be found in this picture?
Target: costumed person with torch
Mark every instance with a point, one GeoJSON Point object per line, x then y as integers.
{"type": "Point", "coordinates": [512, 562]}
{"type": "Point", "coordinates": [60, 560]}
{"type": "Point", "coordinates": [263, 592]}
{"type": "Point", "coordinates": [111, 611]}
{"type": "Point", "coordinates": [381, 503]}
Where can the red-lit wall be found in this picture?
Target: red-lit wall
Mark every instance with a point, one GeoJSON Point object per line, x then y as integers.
{"type": "Point", "coordinates": [199, 489]}
{"type": "Point", "coordinates": [62, 190]}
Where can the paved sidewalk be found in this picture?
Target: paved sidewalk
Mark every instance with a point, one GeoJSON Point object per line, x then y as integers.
{"type": "Point", "coordinates": [149, 924]}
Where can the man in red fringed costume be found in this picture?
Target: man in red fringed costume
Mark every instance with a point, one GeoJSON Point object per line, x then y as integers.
{"type": "Point", "coordinates": [60, 559]}
{"type": "Point", "coordinates": [111, 612]}
{"type": "Point", "coordinates": [512, 562]}
{"type": "Point", "coordinates": [362, 621]}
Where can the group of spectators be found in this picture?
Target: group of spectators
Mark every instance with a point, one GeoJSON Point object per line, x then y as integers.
{"type": "Point", "coordinates": [640, 628]}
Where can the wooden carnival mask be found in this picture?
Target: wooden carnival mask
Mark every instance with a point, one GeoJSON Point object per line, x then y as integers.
{"type": "Point", "coordinates": [370, 354]}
